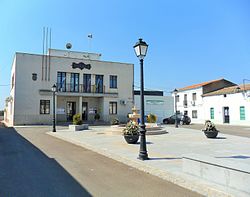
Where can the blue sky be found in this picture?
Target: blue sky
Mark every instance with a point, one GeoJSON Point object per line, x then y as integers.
{"type": "Point", "coordinates": [190, 41]}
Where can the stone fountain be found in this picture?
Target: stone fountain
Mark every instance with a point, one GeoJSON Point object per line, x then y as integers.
{"type": "Point", "coordinates": [151, 128]}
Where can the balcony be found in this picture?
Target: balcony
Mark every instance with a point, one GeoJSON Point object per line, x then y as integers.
{"type": "Point", "coordinates": [82, 88]}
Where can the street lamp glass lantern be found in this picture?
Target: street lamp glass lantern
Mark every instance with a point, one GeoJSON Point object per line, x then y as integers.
{"type": "Point", "coordinates": [175, 91]}
{"type": "Point", "coordinates": [53, 88]}
{"type": "Point", "coordinates": [141, 48]}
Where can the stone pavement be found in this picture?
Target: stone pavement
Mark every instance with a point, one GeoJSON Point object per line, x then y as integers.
{"type": "Point", "coordinates": [166, 153]}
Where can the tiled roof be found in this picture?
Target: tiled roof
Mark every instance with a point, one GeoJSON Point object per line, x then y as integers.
{"type": "Point", "coordinates": [229, 90]}
{"type": "Point", "coordinates": [198, 85]}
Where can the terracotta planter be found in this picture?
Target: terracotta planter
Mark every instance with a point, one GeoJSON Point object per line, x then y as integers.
{"type": "Point", "coordinates": [131, 139]}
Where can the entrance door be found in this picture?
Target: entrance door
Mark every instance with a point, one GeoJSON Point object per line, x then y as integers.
{"type": "Point", "coordinates": [226, 114]}
{"type": "Point", "coordinates": [84, 111]}
{"type": "Point", "coordinates": [71, 110]}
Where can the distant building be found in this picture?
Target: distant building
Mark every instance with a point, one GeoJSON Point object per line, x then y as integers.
{"type": "Point", "coordinates": [219, 100]}
{"type": "Point", "coordinates": [228, 105]}
{"type": "Point", "coordinates": [155, 102]}
{"type": "Point", "coordinates": [85, 85]}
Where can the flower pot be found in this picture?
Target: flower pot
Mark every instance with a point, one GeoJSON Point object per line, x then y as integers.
{"type": "Point", "coordinates": [131, 139]}
{"type": "Point", "coordinates": [211, 134]}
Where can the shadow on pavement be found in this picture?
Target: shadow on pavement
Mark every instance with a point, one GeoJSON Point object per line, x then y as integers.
{"type": "Point", "coordinates": [27, 171]}
{"type": "Point", "coordinates": [236, 157]}
{"type": "Point", "coordinates": [165, 158]}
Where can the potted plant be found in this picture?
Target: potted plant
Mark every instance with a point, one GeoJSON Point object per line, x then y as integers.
{"type": "Point", "coordinates": [77, 124]}
{"type": "Point", "coordinates": [97, 116]}
{"type": "Point", "coordinates": [151, 118]}
{"type": "Point", "coordinates": [115, 121]}
{"type": "Point", "coordinates": [77, 119]}
{"type": "Point", "coordinates": [210, 130]}
{"type": "Point", "coordinates": [131, 132]}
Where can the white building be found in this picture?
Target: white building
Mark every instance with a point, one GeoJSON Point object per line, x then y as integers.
{"type": "Point", "coordinates": [85, 85]}
{"type": "Point", "coordinates": [155, 103]}
{"type": "Point", "coordinates": [228, 105]}
{"type": "Point", "coordinates": [190, 99]}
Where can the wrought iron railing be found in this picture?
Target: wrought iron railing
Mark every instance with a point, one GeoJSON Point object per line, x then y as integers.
{"type": "Point", "coordinates": [81, 88]}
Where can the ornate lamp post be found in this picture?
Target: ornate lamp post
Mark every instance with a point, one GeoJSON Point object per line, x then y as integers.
{"type": "Point", "coordinates": [141, 51]}
{"type": "Point", "coordinates": [54, 107]}
{"type": "Point", "coordinates": [175, 106]}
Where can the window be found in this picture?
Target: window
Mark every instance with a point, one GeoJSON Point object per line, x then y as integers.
{"type": "Point", "coordinates": [112, 107]}
{"type": "Point", "coordinates": [12, 80]}
{"type": "Point", "coordinates": [185, 100]}
{"type": "Point", "coordinates": [211, 113]}
{"type": "Point", "coordinates": [242, 113]}
{"type": "Point", "coordinates": [61, 81]}
{"type": "Point", "coordinates": [44, 106]}
{"type": "Point", "coordinates": [99, 83]}
{"type": "Point", "coordinates": [74, 82]}
{"type": "Point", "coordinates": [86, 82]}
{"type": "Point", "coordinates": [177, 98]}
{"type": "Point", "coordinates": [194, 96]}
{"type": "Point", "coordinates": [113, 81]}
{"type": "Point", "coordinates": [194, 114]}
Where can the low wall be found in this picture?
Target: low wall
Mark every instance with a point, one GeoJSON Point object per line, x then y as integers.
{"type": "Point", "coordinates": [232, 174]}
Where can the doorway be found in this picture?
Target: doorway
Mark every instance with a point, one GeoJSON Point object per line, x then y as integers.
{"type": "Point", "coordinates": [84, 111]}
{"type": "Point", "coordinates": [71, 110]}
{"type": "Point", "coordinates": [226, 114]}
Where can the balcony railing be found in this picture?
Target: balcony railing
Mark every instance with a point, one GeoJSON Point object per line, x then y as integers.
{"type": "Point", "coordinates": [81, 88]}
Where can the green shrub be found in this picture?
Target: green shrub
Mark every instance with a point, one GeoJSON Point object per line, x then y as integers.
{"type": "Point", "coordinates": [77, 119]}
{"type": "Point", "coordinates": [151, 118]}
{"type": "Point", "coordinates": [97, 116]}
{"type": "Point", "coordinates": [115, 121]}
{"type": "Point", "coordinates": [132, 128]}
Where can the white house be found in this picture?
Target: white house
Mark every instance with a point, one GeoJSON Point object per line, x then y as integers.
{"type": "Point", "coordinates": [228, 105]}
{"type": "Point", "coordinates": [85, 85]}
{"type": "Point", "coordinates": [189, 100]}
{"type": "Point", "coordinates": [156, 103]}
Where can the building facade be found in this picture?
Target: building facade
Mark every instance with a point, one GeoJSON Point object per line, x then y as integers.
{"type": "Point", "coordinates": [156, 103]}
{"type": "Point", "coordinates": [85, 85]}
{"type": "Point", "coordinates": [228, 105]}
{"type": "Point", "coordinates": [192, 100]}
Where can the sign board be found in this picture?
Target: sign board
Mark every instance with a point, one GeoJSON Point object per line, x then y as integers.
{"type": "Point", "coordinates": [60, 111]}
{"type": "Point", "coordinates": [92, 110]}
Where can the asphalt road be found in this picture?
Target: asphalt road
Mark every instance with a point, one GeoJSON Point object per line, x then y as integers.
{"type": "Point", "coordinates": [33, 163]}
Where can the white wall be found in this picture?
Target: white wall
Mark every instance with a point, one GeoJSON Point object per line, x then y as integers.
{"type": "Point", "coordinates": [27, 93]}
{"type": "Point", "coordinates": [190, 107]}
{"type": "Point", "coordinates": [233, 101]}
{"type": "Point", "coordinates": [161, 106]}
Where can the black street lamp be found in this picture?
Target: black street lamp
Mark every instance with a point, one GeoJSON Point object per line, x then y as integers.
{"type": "Point", "coordinates": [54, 107]}
{"type": "Point", "coordinates": [175, 106]}
{"type": "Point", "coordinates": [141, 48]}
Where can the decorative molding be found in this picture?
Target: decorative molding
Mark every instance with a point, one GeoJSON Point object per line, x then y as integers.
{"type": "Point", "coordinates": [81, 65]}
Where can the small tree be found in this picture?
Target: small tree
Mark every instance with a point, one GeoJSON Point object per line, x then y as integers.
{"type": "Point", "coordinates": [151, 118]}
{"type": "Point", "coordinates": [97, 116]}
{"type": "Point", "coordinates": [77, 119]}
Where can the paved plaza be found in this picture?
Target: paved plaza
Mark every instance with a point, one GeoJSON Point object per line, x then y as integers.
{"type": "Point", "coordinates": [166, 154]}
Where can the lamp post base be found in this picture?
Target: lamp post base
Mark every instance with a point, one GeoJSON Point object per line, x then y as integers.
{"type": "Point", "coordinates": [143, 156]}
